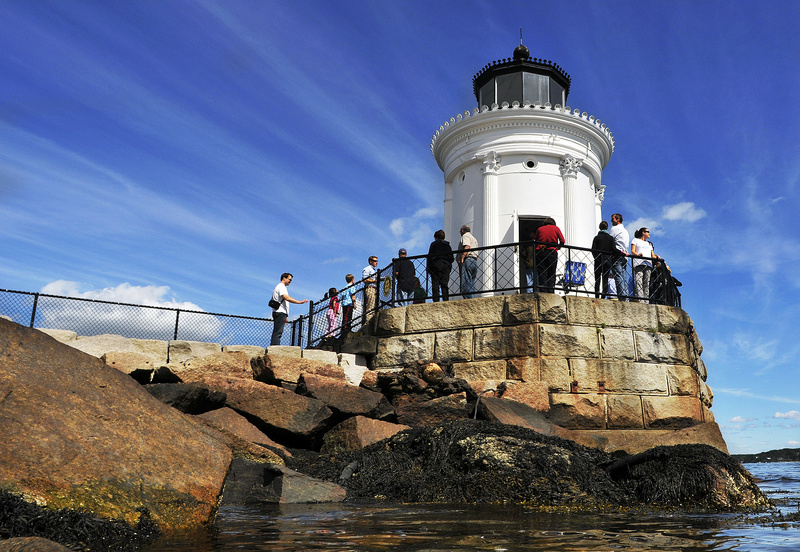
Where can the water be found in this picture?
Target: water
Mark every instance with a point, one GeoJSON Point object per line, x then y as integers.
{"type": "Point", "coordinates": [440, 528]}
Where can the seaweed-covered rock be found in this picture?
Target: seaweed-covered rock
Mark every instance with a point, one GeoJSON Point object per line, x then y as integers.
{"type": "Point", "coordinates": [485, 462]}
{"type": "Point", "coordinates": [689, 476]}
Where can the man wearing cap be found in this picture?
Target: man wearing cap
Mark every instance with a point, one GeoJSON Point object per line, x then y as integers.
{"type": "Point", "coordinates": [404, 274]}
{"type": "Point", "coordinates": [468, 259]}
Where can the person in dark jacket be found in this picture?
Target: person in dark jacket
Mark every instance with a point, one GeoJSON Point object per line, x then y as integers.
{"type": "Point", "coordinates": [440, 261]}
{"type": "Point", "coordinates": [404, 277]}
{"type": "Point", "coordinates": [604, 250]}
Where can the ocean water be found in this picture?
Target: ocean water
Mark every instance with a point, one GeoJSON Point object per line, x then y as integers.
{"type": "Point", "coordinates": [462, 528]}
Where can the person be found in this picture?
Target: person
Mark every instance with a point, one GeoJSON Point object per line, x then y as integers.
{"type": "Point", "coordinates": [369, 275]}
{"type": "Point", "coordinates": [333, 310]}
{"type": "Point", "coordinates": [348, 303]}
{"type": "Point", "coordinates": [468, 260]}
{"type": "Point", "coordinates": [419, 292]}
{"type": "Point", "coordinates": [280, 295]}
{"type": "Point", "coordinates": [547, 255]}
{"type": "Point", "coordinates": [641, 253]}
{"type": "Point", "coordinates": [604, 251]}
{"type": "Point", "coordinates": [404, 274]}
{"type": "Point", "coordinates": [527, 252]}
{"type": "Point", "coordinates": [620, 263]}
{"type": "Point", "coordinates": [439, 263]}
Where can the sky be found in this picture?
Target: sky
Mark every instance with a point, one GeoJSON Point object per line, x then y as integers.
{"type": "Point", "coordinates": [186, 153]}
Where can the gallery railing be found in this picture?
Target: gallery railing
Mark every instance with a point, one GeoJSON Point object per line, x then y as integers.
{"type": "Point", "coordinates": [522, 267]}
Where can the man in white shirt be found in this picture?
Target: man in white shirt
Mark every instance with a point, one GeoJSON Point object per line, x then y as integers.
{"type": "Point", "coordinates": [369, 276]}
{"type": "Point", "coordinates": [618, 269]}
{"type": "Point", "coordinates": [279, 315]}
{"type": "Point", "coordinates": [468, 261]}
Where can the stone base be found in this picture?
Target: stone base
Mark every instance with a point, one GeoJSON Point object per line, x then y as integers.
{"type": "Point", "coordinates": [634, 441]}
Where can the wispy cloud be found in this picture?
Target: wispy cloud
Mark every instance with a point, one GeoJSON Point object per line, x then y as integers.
{"type": "Point", "coordinates": [686, 211]}
{"type": "Point", "coordinates": [747, 393]}
{"type": "Point", "coordinates": [740, 420]}
{"type": "Point", "coordinates": [791, 415]}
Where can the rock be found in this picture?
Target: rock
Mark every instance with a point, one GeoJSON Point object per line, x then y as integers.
{"type": "Point", "coordinates": [534, 394]}
{"type": "Point", "coordinates": [81, 435]}
{"type": "Point", "coordinates": [276, 369]}
{"type": "Point", "coordinates": [164, 374]}
{"type": "Point", "coordinates": [284, 350]}
{"type": "Point", "coordinates": [234, 364]}
{"type": "Point", "coordinates": [345, 399]}
{"type": "Point", "coordinates": [242, 448]}
{"type": "Point", "coordinates": [432, 373]}
{"type": "Point", "coordinates": [64, 336]}
{"type": "Point", "coordinates": [229, 421]}
{"type": "Point", "coordinates": [328, 357]}
{"type": "Point", "coordinates": [689, 476]}
{"type": "Point", "coordinates": [251, 351]}
{"type": "Point", "coordinates": [129, 362]}
{"type": "Point", "coordinates": [181, 351]}
{"type": "Point", "coordinates": [435, 411]}
{"type": "Point", "coordinates": [358, 432]}
{"type": "Point", "coordinates": [281, 414]}
{"type": "Point", "coordinates": [254, 483]}
{"type": "Point", "coordinates": [98, 345]}
{"type": "Point", "coordinates": [31, 544]}
{"type": "Point", "coordinates": [487, 463]}
{"type": "Point", "coordinates": [190, 398]}
{"type": "Point", "coordinates": [516, 414]}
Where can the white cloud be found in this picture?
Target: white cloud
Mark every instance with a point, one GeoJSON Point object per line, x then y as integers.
{"type": "Point", "coordinates": [751, 395]}
{"type": "Point", "coordinates": [740, 420]}
{"type": "Point", "coordinates": [685, 211]}
{"type": "Point", "coordinates": [99, 311]}
{"type": "Point", "coordinates": [643, 222]}
{"type": "Point", "coordinates": [793, 443]}
{"type": "Point", "coordinates": [414, 231]}
{"type": "Point", "coordinates": [791, 415]}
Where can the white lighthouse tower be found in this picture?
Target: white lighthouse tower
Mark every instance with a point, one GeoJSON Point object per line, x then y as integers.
{"type": "Point", "coordinates": [521, 156]}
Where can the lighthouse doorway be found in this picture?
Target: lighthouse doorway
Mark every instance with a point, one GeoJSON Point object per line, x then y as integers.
{"type": "Point", "coordinates": [526, 228]}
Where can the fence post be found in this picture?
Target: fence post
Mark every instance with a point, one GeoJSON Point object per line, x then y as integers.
{"type": "Point", "coordinates": [177, 318]}
{"type": "Point", "coordinates": [310, 323]}
{"type": "Point", "coordinates": [35, 303]}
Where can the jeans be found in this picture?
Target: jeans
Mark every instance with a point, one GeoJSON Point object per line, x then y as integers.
{"type": "Point", "coordinates": [602, 268]}
{"type": "Point", "coordinates": [546, 265]}
{"type": "Point", "coordinates": [278, 322]}
{"type": "Point", "coordinates": [469, 272]}
{"type": "Point", "coordinates": [531, 280]}
{"type": "Point", "coordinates": [620, 278]}
{"type": "Point", "coordinates": [440, 280]}
{"type": "Point", "coordinates": [404, 296]}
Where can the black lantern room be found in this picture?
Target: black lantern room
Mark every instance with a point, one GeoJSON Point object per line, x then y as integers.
{"type": "Point", "coordinates": [522, 79]}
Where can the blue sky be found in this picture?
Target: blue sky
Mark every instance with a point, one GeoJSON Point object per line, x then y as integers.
{"type": "Point", "coordinates": [189, 152]}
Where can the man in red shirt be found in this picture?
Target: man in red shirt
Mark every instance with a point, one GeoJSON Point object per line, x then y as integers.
{"type": "Point", "coordinates": [547, 255]}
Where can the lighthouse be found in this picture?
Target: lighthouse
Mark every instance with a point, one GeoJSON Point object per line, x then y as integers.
{"type": "Point", "coordinates": [522, 155]}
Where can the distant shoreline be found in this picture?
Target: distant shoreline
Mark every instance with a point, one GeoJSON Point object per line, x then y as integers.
{"type": "Point", "coordinates": [780, 455]}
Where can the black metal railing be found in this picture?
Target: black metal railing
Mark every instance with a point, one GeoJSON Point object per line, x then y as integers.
{"type": "Point", "coordinates": [522, 267]}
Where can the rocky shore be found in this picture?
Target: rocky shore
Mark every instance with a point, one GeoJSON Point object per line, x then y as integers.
{"type": "Point", "coordinates": [128, 439]}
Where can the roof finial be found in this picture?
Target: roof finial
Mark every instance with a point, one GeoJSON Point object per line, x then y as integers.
{"type": "Point", "coordinates": [520, 36]}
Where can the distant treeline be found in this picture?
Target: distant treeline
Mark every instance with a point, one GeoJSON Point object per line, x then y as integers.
{"type": "Point", "coordinates": [782, 455]}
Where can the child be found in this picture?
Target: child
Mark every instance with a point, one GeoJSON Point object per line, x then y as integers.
{"type": "Point", "coordinates": [419, 293]}
{"type": "Point", "coordinates": [348, 303]}
{"type": "Point", "coordinates": [333, 310]}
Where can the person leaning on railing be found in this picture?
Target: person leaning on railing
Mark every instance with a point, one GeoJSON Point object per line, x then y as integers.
{"type": "Point", "coordinates": [547, 255]}
{"type": "Point", "coordinates": [468, 261]}
{"type": "Point", "coordinates": [280, 307]}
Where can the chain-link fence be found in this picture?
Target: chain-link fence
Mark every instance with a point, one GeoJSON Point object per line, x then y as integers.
{"type": "Point", "coordinates": [89, 317]}
{"type": "Point", "coordinates": [522, 267]}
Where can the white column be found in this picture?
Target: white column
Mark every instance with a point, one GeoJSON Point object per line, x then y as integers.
{"type": "Point", "coordinates": [569, 167]}
{"type": "Point", "coordinates": [491, 166]}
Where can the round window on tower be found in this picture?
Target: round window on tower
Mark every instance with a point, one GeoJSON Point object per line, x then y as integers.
{"type": "Point", "coordinates": [530, 163]}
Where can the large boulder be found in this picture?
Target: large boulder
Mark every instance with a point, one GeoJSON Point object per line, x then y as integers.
{"type": "Point", "coordinates": [358, 432]}
{"type": "Point", "coordinates": [231, 422]}
{"type": "Point", "coordinates": [190, 398]}
{"type": "Point", "coordinates": [284, 416]}
{"type": "Point", "coordinates": [345, 399]}
{"type": "Point", "coordinates": [234, 363]}
{"type": "Point", "coordinates": [256, 483]}
{"type": "Point", "coordinates": [433, 412]}
{"type": "Point", "coordinates": [78, 434]}
{"type": "Point", "coordinates": [275, 369]}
